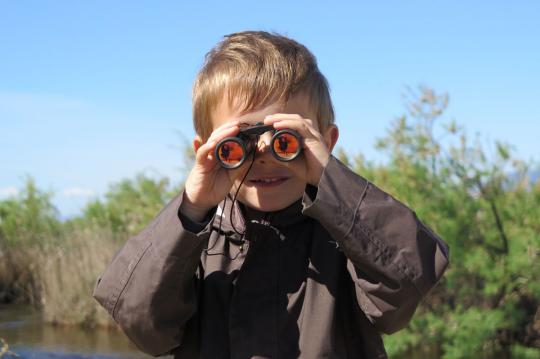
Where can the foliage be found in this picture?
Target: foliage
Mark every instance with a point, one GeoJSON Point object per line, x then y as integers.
{"type": "Point", "coordinates": [28, 218]}
{"type": "Point", "coordinates": [28, 221]}
{"type": "Point", "coordinates": [52, 264]}
{"type": "Point", "coordinates": [128, 206]}
{"type": "Point", "coordinates": [488, 211]}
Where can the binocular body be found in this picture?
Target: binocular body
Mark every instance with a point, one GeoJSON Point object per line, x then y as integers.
{"type": "Point", "coordinates": [231, 152]}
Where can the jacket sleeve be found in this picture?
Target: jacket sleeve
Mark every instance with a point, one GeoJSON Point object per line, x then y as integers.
{"type": "Point", "coordinates": [393, 258]}
{"type": "Point", "coordinates": [149, 287]}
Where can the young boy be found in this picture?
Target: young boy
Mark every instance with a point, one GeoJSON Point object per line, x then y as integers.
{"type": "Point", "coordinates": [295, 258]}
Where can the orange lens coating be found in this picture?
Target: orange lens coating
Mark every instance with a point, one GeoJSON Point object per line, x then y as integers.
{"type": "Point", "coordinates": [286, 145]}
{"type": "Point", "coordinates": [230, 153]}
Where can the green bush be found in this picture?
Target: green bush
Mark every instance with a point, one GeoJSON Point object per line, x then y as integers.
{"type": "Point", "coordinates": [128, 205]}
{"type": "Point", "coordinates": [28, 218]}
{"type": "Point", "coordinates": [485, 206]}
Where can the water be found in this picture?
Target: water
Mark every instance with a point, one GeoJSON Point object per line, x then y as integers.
{"type": "Point", "coordinates": [28, 337]}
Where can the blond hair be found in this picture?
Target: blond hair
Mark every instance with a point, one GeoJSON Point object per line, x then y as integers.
{"type": "Point", "coordinates": [256, 69]}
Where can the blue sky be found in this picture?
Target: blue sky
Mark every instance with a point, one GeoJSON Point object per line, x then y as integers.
{"type": "Point", "coordinates": [94, 92]}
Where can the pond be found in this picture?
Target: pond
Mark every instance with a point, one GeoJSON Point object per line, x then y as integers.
{"type": "Point", "coordinates": [28, 337]}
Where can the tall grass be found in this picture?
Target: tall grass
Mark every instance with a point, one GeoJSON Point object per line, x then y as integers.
{"type": "Point", "coordinates": [54, 265]}
{"type": "Point", "coordinates": [28, 222]}
{"type": "Point", "coordinates": [18, 275]}
{"type": "Point", "coordinates": [67, 275]}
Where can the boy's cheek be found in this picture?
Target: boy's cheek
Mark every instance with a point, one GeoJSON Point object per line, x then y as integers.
{"type": "Point", "coordinates": [238, 173]}
{"type": "Point", "coordinates": [298, 167]}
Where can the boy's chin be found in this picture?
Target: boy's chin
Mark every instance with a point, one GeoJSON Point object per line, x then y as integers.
{"type": "Point", "coordinates": [270, 205]}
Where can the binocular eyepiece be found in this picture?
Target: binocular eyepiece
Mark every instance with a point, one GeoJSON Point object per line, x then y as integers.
{"type": "Point", "coordinates": [231, 152]}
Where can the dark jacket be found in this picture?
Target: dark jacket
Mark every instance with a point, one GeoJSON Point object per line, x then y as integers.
{"type": "Point", "coordinates": [319, 279]}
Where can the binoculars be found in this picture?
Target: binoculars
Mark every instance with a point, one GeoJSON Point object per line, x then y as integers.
{"type": "Point", "coordinates": [231, 152]}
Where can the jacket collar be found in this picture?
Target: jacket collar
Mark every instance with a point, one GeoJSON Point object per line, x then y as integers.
{"type": "Point", "coordinates": [281, 219]}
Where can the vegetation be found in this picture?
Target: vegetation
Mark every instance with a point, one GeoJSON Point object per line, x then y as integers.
{"type": "Point", "coordinates": [481, 200]}
{"type": "Point", "coordinates": [53, 265]}
{"type": "Point", "coordinates": [484, 205]}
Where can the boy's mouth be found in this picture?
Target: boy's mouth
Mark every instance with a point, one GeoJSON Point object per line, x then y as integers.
{"type": "Point", "coordinates": [268, 181]}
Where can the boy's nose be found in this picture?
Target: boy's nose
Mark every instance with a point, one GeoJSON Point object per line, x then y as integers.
{"type": "Point", "coordinates": [263, 146]}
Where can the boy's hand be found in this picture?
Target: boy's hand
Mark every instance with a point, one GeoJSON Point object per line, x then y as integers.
{"type": "Point", "coordinates": [208, 182]}
{"type": "Point", "coordinates": [315, 146]}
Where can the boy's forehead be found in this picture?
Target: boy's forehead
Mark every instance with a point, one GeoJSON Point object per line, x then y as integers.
{"type": "Point", "coordinates": [224, 112]}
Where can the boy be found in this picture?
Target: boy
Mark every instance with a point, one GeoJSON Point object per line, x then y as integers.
{"type": "Point", "coordinates": [276, 258]}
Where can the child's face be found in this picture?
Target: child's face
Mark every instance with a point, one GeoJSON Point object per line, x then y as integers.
{"type": "Point", "coordinates": [288, 178]}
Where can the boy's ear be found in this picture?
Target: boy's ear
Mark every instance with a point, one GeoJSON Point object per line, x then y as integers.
{"type": "Point", "coordinates": [197, 142]}
{"type": "Point", "coordinates": [331, 135]}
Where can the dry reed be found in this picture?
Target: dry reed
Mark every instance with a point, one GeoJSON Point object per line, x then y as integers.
{"type": "Point", "coordinates": [68, 274]}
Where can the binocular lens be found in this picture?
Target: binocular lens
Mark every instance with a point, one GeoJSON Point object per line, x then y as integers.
{"type": "Point", "coordinates": [286, 146]}
{"type": "Point", "coordinates": [230, 153]}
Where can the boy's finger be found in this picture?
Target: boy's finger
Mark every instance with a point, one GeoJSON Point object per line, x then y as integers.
{"type": "Point", "coordinates": [204, 150]}
{"type": "Point", "coordinates": [292, 121]}
{"type": "Point", "coordinates": [227, 125]}
{"type": "Point", "coordinates": [222, 132]}
{"type": "Point", "coordinates": [270, 119]}
{"type": "Point", "coordinates": [304, 128]}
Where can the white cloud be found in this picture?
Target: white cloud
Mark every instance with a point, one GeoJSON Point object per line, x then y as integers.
{"type": "Point", "coordinates": [8, 192]}
{"type": "Point", "coordinates": [78, 192]}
